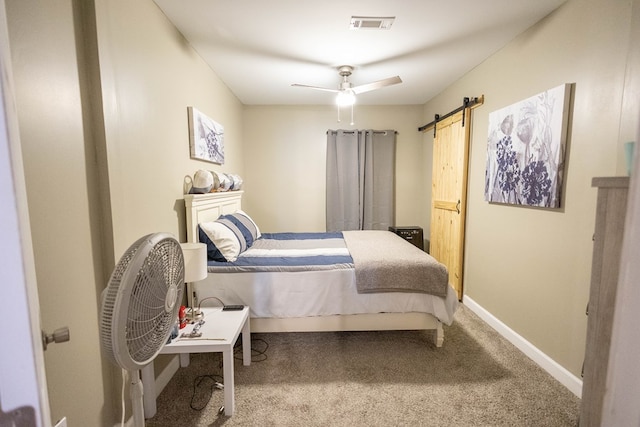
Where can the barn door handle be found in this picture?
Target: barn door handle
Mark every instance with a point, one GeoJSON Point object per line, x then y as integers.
{"type": "Point", "coordinates": [458, 206]}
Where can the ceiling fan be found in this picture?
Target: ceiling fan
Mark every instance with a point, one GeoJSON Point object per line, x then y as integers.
{"type": "Point", "coordinates": [347, 92]}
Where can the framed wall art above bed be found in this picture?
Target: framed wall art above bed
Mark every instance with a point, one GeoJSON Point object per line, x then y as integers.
{"type": "Point", "coordinates": [206, 137]}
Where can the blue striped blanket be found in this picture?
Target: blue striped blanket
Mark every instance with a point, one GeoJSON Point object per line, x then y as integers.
{"type": "Point", "coordinates": [290, 252]}
{"type": "Point", "coordinates": [382, 261]}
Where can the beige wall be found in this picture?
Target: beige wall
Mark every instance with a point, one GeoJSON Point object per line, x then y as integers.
{"type": "Point", "coordinates": [285, 160]}
{"type": "Point", "coordinates": [150, 74]}
{"type": "Point", "coordinates": [530, 268]}
{"type": "Point", "coordinates": [58, 170]}
{"type": "Point", "coordinates": [101, 174]}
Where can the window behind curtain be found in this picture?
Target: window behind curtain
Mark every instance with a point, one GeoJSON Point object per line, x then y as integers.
{"type": "Point", "coordinates": [360, 179]}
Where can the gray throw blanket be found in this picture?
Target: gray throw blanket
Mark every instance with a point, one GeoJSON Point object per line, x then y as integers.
{"type": "Point", "coordinates": [385, 262]}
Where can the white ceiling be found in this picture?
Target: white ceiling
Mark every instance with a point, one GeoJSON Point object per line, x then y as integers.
{"type": "Point", "coordinates": [260, 47]}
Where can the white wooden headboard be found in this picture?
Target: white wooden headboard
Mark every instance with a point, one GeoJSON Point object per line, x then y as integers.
{"type": "Point", "coordinates": [208, 207]}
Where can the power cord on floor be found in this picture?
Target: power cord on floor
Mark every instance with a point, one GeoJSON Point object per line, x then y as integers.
{"type": "Point", "coordinates": [257, 355]}
{"type": "Point", "coordinates": [216, 381]}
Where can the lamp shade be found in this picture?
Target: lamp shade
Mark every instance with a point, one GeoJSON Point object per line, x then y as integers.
{"type": "Point", "coordinates": [195, 261]}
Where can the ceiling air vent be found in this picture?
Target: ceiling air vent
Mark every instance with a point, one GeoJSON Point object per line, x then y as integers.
{"type": "Point", "coordinates": [371, 22]}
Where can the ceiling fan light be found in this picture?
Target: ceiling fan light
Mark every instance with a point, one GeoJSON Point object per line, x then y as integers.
{"type": "Point", "coordinates": [345, 98]}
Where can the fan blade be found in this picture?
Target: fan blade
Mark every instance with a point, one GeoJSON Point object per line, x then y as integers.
{"type": "Point", "coordinates": [376, 85]}
{"type": "Point", "coordinates": [316, 88]}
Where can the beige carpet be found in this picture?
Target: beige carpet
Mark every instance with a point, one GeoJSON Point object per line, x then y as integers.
{"type": "Point", "coordinates": [396, 378]}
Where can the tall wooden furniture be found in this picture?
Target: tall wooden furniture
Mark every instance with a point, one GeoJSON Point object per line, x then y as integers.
{"type": "Point", "coordinates": [610, 216]}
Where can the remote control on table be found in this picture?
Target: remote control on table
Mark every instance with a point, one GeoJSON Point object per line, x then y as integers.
{"type": "Point", "coordinates": [233, 307]}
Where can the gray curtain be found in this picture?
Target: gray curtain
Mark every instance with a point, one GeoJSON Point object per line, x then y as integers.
{"type": "Point", "coordinates": [360, 179]}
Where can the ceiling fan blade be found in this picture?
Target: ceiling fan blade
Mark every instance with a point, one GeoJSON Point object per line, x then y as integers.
{"type": "Point", "coordinates": [316, 88]}
{"type": "Point", "coordinates": [376, 85]}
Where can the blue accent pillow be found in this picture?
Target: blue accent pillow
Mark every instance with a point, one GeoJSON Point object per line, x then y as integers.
{"type": "Point", "coordinates": [245, 226]}
{"type": "Point", "coordinates": [249, 223]}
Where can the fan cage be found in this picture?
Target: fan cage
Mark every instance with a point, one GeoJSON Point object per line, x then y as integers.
{"type": "Point", "coordinates": [136, 320]}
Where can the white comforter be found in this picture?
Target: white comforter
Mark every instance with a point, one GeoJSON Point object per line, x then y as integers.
{"type": "Point", "coordinates": [314, 293]}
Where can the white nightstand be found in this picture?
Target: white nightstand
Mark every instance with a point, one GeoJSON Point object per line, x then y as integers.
{"type": "Point", "coordinates": [220, 332]}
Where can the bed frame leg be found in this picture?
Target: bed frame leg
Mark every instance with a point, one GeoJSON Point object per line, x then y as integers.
{"type": "Point", "coordinates": [439, 335]}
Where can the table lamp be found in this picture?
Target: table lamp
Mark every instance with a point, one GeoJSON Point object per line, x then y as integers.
{"type": "Point", "coordinates": [195, 265]}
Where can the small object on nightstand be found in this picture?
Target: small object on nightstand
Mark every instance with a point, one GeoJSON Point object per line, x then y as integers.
{"type": "Point", "coordinates": [233, 307]}
{"type": "Point", "coordinates": [195, 332]}
{"type": "Point", "coordinates": [174, 332]}
{"type": "Point", "coordinates": [182, 316]}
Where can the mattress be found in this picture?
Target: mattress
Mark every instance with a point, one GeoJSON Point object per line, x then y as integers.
{"type": "Point", "coordinates": [289, 275]}
{"type": "Point", "coordinates": [314, 293]}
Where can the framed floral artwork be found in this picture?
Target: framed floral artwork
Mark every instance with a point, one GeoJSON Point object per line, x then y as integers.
{"type": "Point", "coordinates": [525, 150]}
{"type": "Point", "coordinates": [206, 137]}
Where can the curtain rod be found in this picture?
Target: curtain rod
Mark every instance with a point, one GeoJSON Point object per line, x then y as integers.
{"type": "Point", "coordinates": [466, 103]}
{"type": "Point", "coordinates": [384, 132]}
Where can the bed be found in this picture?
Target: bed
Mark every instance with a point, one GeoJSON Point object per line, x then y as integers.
{"type": "Point", "coordinates": [319, 299]}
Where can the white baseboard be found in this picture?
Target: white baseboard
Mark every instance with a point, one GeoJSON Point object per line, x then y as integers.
{"type": "Point", "coordinates": [566, 378]}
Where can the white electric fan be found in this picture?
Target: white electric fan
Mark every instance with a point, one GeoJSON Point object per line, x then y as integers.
{"type": "Point", "coordinates": [140, 307]}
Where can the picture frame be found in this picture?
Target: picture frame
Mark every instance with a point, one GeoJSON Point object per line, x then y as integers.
{"type": "Point", "coordinates": [526, 150]}
{"type": "Point", "coordinates": [206, 137]}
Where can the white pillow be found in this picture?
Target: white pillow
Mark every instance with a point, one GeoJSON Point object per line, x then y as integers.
{"type": "Point", "coordinates": [227, 242]}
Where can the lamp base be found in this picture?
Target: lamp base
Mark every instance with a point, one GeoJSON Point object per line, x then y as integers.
{"type": "Point", "coordinates": [194, 314]}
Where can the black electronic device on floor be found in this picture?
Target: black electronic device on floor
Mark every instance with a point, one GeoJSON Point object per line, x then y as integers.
{"type": "Point", "coordinates": [411, 234]}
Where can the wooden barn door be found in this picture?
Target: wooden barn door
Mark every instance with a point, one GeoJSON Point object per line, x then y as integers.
{"type": "Point", "coordinates": [449, 192]}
